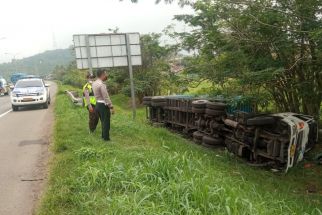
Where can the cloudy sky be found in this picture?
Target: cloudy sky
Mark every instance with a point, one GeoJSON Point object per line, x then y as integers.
{"type": "Point", "coordinates": [28, 27]}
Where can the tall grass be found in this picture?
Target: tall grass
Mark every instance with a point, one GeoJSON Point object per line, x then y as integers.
{"type": "Point", "coordinates": [146, 170]}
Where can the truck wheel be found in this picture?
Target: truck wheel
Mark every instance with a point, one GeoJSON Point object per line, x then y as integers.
{"type": "Point", "coordinates": [212, 141]}
{"type": "Point", "coordinates": [159, 99]}
{"type": "Point", "coordinates": [209, 146]}
{"type": "Point", "coordinates": [199, 104]}
{"type": "Point", "coordinates": [197, 110]}
{"type": "Point", "coordinates": [264, 120]}
{"type": "Point", "coordinates": [216, 106]}
{"type": "Point", "coordinates": [197, 137]}
{"type": "Point", "coordinates": [158, 104]}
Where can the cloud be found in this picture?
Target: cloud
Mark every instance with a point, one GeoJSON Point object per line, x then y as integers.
{"type": "Point", "coordinates": [29, 25]}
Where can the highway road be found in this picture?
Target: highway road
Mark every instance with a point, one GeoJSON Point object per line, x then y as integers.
{"type": "Point", "coordinates": [24, 141]}
{"type": "Point", "coordinates": [4, 104]}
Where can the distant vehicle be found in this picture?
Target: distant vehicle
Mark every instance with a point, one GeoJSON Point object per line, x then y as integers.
{"type": "Point", "coordinates": [30, 92]}
{"type": "Point", "coordinates": [30, 76]}
{"type": "Point", "coordinates": [16, 77]}
{"type": "Point", "coordinates": [4, 87]}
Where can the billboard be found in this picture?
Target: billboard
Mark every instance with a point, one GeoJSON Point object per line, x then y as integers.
{"type": "Point", "coordinates": [107, 50]}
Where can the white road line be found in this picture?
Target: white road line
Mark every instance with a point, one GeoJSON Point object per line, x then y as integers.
{"type": "Point", "coordinates": [5, 113]}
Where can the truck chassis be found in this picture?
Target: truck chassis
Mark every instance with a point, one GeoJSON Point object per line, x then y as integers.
{"type": "Point", "coordinates": [276, 140]}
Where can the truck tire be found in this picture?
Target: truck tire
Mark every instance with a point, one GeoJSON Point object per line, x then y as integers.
{"type": "Point", "coordinates": [209, 146]}
{"type": "Point", "coordinates": [159, 99]}
{"type": "Point", "coordinates": [198, 110]}
{"type": "Point", "coordinates": [216, 105]}
{"type": "Point", "coordinates": [158, 104]}
{"type": "Point", "coordinates": [263, 120]}
{"type": "Point", "coordinates": [197, 137]}
{"type": "Point", "coordinates": [212, 112]}
{"type": "Point", "coordinates": [199, 103]}
{"type": "Point", "coordinates": [212, 141]}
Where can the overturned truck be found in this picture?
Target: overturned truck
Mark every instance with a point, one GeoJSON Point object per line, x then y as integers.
{"type": "Point", "coordinates": [277, 140]}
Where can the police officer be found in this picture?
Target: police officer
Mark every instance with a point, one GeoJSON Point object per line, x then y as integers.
{"type": "Point", "coordinates": [104, 105]}
{"type": "Point", "coordinates": [89, 101]}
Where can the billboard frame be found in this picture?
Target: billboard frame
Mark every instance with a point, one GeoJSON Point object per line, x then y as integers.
{"type": "Point", "coordinates": [128, 56]}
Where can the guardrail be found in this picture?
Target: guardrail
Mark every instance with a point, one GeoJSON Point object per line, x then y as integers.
{"type": "Point", "coordinates": [74, 96]}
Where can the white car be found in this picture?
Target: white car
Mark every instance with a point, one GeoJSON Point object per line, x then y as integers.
{"type": "Point", "coordinates": [30, 92]}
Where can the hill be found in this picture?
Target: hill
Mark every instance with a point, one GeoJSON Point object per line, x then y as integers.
{"type": "Point", "coordinates": [40, 64]}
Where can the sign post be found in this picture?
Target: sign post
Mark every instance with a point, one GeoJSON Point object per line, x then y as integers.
{"type": "Point", "coordinates": [89, 60]}
{"type": "Point", "coordinates": [95, 51]}
{"type": "Point", "coordinates": [129, 58]}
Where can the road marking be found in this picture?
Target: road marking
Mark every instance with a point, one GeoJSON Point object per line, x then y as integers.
{"type": "Point", "coordinates": [2, 115]}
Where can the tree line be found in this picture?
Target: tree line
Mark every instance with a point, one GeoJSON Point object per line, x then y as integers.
{"type": "Point", "coordinates": [267, 49]}
{"type": "Point", "coordinates": [271, 47]}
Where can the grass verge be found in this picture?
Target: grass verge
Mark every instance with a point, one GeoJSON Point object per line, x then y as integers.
{"type": "Point", "coordinates": [147, 170]}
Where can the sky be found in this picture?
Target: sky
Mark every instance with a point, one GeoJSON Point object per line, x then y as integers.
{"type": "Point", "coordinates": [28, 27]}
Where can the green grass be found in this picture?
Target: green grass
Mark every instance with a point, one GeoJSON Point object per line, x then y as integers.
{"type": "Point", "coordinates": [147, 170]}
{"type": "Point", "coordinates": [203, 88]}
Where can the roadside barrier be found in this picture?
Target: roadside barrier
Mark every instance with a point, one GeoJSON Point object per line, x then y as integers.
{"type": "Point", "coordinates": [74, 97]}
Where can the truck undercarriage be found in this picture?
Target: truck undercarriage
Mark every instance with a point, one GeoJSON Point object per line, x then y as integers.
{"type": "Point", "coordinates": [276, 140]}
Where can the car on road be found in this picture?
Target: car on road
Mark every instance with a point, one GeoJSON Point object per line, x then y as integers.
{"type": "Point", "coordinates": [16, 77]}
{"type": "Point", "coordinates": [30, 92]}
{"type": "Point", "coordinates": [30, 76]}
{"type": "Point", "coordinates": [4, 87]}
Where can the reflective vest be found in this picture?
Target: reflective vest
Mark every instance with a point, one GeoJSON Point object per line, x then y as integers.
{"type": "Point", "coordinates": [92, 98]}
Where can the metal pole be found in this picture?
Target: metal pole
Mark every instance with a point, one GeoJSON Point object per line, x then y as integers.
{"type": "Point", "coordinates": [129, 59]}
{"type": "Point", "coordinates": [89, 57]}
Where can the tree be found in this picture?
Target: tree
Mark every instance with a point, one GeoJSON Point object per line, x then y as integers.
{"type": "Point", "coordinates": [180, 2]}
{"type": "Point", "coordinates": [270, 44]}
{"type": "Point", "coordinates": [154, 77]}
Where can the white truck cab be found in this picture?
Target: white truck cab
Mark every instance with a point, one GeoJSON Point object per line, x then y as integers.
{"type": "Point", "coordinates": [300, 127]}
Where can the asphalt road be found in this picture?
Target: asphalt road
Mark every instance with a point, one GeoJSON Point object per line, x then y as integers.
{"type": "Point", "coordinates": [4, 104]}
{"type": "Point", "coordinates": [24, 141]}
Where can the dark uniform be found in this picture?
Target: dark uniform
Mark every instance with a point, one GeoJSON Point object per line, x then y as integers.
{"type": "Point", "coordinates": [103, 107]}
{"type": "Point", "coordinates": [90, 101]}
